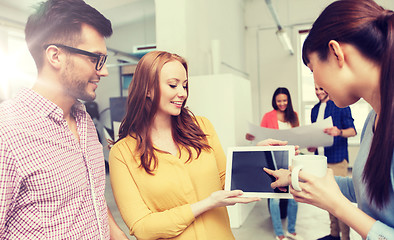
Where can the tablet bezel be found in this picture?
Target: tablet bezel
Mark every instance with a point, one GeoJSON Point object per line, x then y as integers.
{"type": "Point", "coordinates": [291, 153]}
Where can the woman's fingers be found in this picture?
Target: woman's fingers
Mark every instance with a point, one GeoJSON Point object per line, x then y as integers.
{"type": "Point", "coordinates": [322, 192]}
{"type": "Point", "coordinates": [234, 193]}
{"type": "Point", "coordinates": [282, 178]}
{"type": "Point", "coordinates": [282, 189]}
{"type": "Point", "coordinates": [226, 198]}
{"type": "Point", "coordinates": [271, 142]}
{"type": "Point", "coordinates": [306, 176]}
{"type": "Point", "coordinates": [297, 150]}
{"type": "Point", "coordinates": [244, 199]}
{"type": "Point", "coordinates": [232, 197]}
{"type": "Point", "coordinates": [249, 137]}
{"type": "Point", "coordinates": [269, 171]}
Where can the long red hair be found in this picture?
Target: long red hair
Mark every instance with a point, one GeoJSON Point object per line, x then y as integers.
{"type": "Point", "coordinates": [141, 111]}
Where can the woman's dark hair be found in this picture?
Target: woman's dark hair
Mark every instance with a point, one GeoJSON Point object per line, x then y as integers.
{"type": "Point", "coordinates": [290, 115]}
{"type": "Point", "coordinates": [370, 28]}
{"type": "Point", "coordinates": [60, 21]}
{"type": "Point", "coordinates": [141, 110]}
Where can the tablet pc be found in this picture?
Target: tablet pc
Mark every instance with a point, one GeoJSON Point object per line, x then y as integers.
{"type": "Point", "coordinates": [244, 169]}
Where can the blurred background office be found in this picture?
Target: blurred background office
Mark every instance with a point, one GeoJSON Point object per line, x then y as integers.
{"type": "Point", "coordinates": [239, 52]}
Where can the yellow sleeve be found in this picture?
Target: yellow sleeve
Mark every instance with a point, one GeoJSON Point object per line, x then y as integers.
{"type": "Point", "coordinates": [142, 222]}
{"type": "Point", "coordinates": [217, 148]}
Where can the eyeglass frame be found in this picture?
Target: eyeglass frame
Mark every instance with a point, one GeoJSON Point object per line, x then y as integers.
{"type": "Point", "coordinates": [83, 52]}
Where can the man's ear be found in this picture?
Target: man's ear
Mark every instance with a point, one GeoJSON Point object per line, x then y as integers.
{"type": "Point", "coordinates": [336, 50]}
{"type": "Point", "coordinates": [52, 55]}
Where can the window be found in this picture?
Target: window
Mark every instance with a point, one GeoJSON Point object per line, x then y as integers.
{"type": "Point", "coordinates": [308, 98]}
{"type": "Point", "coordinates": [16, 64]}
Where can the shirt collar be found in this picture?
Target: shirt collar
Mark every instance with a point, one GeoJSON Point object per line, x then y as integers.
{"type": "Point", "coordinates": [47, 108]}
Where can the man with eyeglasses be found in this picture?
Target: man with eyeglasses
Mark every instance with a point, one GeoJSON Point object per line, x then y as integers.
{"type": "Point", "coordinates": [52, 172]}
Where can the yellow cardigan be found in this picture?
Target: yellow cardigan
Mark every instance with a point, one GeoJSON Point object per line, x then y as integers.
{"type": "Point", "coordinates": [158, 206]}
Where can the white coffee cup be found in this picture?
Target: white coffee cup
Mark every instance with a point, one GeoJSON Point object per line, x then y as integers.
{"type": "Point", "coordinates": [314, 164]}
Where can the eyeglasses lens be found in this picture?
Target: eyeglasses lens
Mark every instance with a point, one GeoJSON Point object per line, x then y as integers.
{"type": "Point", "coordinates": [101, 62]}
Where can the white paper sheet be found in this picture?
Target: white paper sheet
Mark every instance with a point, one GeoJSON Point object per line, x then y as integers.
{"type": "Point", "coordinates": [304, 136]}
{"type": "Point", "coordinates": [116, 129]}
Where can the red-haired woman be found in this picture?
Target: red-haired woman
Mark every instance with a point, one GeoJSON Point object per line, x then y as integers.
{"type": "Point", "coordinates": [168, 168]}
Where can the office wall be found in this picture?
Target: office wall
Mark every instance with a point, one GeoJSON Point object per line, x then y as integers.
{"type": "Point", "coordinates": [189, 27]}
{"type": "Point", "coordinates": [225, 100]}
{"type": "Point", "coordinates": [9, 15]}
{"type": "Point", "coordinates": [141, 32]}
{"type": "Point", "coordinates": [124, 38]}
{"type": "Point", "coordinates": [267, 63]}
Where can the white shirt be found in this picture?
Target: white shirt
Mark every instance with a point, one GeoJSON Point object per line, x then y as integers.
{"type": "Point", "coordinates": [284, 125]}
{"type": "Point", "coordinates": [320, 116]}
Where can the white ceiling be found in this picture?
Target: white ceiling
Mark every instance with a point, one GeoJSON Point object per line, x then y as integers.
{"type": "Point", "coordinates": [118, 11]}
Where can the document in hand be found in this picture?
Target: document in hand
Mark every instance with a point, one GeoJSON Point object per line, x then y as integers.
{"type": "Point", "coordinates": [305, 136]}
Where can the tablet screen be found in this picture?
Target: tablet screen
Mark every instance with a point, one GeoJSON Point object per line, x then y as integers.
{"type": "Point", "coordinates": [245, 169]}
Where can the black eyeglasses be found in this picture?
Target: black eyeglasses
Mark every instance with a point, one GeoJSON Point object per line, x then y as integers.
{"type": "Point", "coordinates": [100, 58]}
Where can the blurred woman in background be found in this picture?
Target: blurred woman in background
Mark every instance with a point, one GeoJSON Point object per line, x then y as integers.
{"type": "Point", "coordinates": [282, 117]}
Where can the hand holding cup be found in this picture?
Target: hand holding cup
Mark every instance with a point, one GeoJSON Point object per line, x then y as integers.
{"type": "Point", "coordinates": [314, 164]}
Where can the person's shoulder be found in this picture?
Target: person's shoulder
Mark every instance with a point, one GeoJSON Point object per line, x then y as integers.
{"type": "Point", "coordinates": [316, 105]}
{"type": "Point", "coordinates": [13, 123]}
{"type": "Point", "coordinates": [125, 150]}
{"type": "Point", "coordinates": [11, 111]}
{"type": "Point", "coordinates": [332, 104]}
{"type": "Point", "coordinates": [125, 142]}
{"type": "Point", "coordinates": [6, 105]}
{"type": "Point", "coordinates": [270, 113]}
{"type": "Point", "coordinates": [201, 120]}
{"type": "Point", "coordinates": [273, 111]}
{"type": "Point", "coordinates": [204, 123]}
{"type": "Point", "coordinates": [124, 147]}
{"type": "Point", "coordinates": [20, 105]}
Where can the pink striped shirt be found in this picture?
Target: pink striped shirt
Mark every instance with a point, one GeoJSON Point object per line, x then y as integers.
{"type": "Point", "coordinates": [51, 185]}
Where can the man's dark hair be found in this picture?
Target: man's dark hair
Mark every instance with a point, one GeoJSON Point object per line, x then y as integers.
{"type": "Point", "coordinates": [60, 21]}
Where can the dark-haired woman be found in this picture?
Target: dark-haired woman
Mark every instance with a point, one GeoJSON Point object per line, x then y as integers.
{"type": "Point", "coordinates": [282, 117]}
{"type": "Point", "coordinates": [168, 168]}
{"type": "Point", "coordinates": [350, 50]}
